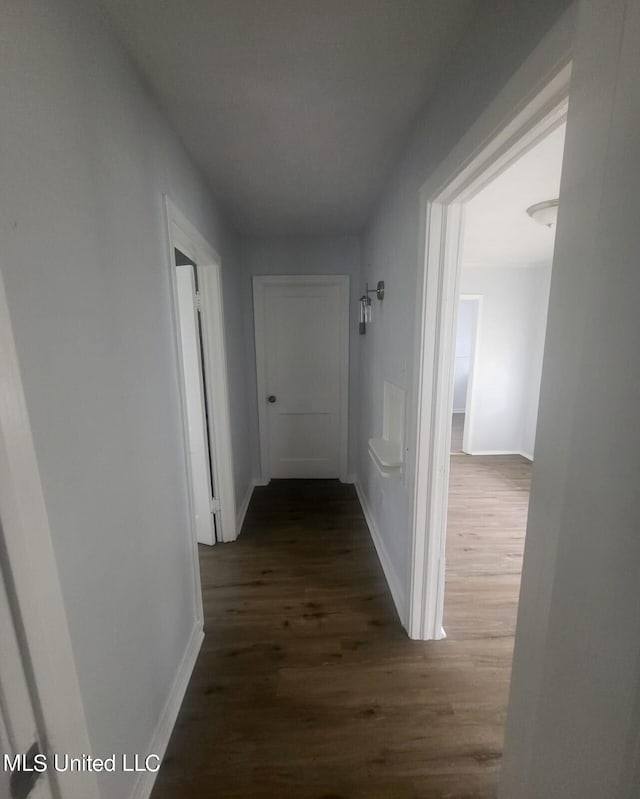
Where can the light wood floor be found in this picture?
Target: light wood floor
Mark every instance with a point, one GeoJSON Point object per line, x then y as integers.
{"type": "Point", "coordinates": [308, 688]}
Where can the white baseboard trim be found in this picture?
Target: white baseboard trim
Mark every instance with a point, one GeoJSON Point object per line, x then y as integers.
{"type": "Point", "coordinates": [244, 507]}
{"type": "Point", "coordinates": [258, 481]}
{"type": "Point", "coordinates": [500, 452]}
{"type": "Point", "coordinates": [394, 583]}
{"type": "Point", "coordinates": [160, 738]}
{"type": "Point", "coordinates": [350, 479]}
{"type": "Point", "coordinates": [494, 452]}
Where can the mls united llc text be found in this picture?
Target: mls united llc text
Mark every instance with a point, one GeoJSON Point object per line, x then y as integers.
{"type": "Point", "coordinates": [83, 763]}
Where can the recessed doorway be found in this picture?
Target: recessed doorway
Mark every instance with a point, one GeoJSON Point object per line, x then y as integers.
{"type": "Point", "coordinates": [195, 275]}
{"type": "Point", "coordinates": [507, 365]}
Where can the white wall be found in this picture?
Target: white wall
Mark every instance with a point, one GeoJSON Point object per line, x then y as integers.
{"type": "Point", "coordinates": [574, 714]}
{"type": "Point", "coordinates": [465, 334]}
{"type": "Point", "coordinates": [86, 156]}
{"type": "Point", "coordinates": [503, 35]}
{"type": "Point", "coordinates": [539, 307]}
{"type": "Point", "coordinates": [508, 357]}
{"type": "Point", "coordinates": [300, 255]}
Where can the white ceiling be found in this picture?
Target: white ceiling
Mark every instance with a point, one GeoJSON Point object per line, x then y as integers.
{"type": "Point", "coordinates": [497, 229]}
{"type": "Point", "coordinates": [295, 109]}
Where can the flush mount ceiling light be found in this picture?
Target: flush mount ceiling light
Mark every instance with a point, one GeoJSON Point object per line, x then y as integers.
{"type": "Point", "coordinates": [545, 213]}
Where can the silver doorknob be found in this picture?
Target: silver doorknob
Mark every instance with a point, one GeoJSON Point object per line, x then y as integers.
{"type": "Point", "coordinates": [271, 398]}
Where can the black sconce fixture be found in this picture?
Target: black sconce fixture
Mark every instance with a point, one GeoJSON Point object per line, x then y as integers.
{"type": "Point", "coordinates": [366, 316]}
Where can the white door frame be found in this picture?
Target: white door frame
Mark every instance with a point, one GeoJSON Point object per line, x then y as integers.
{"type": "Point", "coordinates": [19, 728]}
{"type": "Point", "coordinates": [532, 105]}
{"type": "Point", "coordinates": [182, 235]}
{"type": "Point", "coordinates": [260, 283]}
{"type": "Point", "coordinates": [35, 593]}
{"type": "Point", "coordinates": [467, 433]}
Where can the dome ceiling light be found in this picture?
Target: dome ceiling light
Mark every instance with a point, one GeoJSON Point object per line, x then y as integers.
{"type": "Point", "coordinates": [545, 213]}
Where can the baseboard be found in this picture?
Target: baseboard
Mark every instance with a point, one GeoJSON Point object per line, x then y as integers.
{"type": "Point", "coordinates": [244, 507]}
{"type": "Point", "coordinates": [350, 479]}
{"type": "Point", "coordinates": [395, 586]}
{"type": "Point", "coordinates": [525, 455]}
{"type": "Point", "coordinates": [258, 481]}
{"type": "Point", "coordinates": [462, 410]}
{"type": "Point", "coordinates": [160, 738]}
{"type": "Point", "coordinates": [494, 452]}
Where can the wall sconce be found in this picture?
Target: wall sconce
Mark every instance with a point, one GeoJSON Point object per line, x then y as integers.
{"type": "Point", "coordinates": [366, 316]}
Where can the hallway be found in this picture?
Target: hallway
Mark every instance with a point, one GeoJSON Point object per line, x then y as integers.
{"type": "Point", "coordinates": [322, 143]}
{"type": "Point", "coordinates": [307, 685]}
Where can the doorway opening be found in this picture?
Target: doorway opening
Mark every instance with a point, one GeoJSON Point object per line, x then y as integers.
{"type": "Point", "coordinates": [492, 386]}
{"type": "Point", "coordinates": [506, 256]}
{"type": "Point", "coordinates": [195, 275]}
{"type": "Point", "coordinates": [469, 310]}
{"type": "Point", "coordinates": [194, 374]}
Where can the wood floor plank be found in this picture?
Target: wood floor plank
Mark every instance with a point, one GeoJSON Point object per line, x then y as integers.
{"type": "Point", "coordinates": [308, 687]}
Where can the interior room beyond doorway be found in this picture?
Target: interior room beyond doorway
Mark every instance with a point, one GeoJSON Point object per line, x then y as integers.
{"type": "Point", "coordinates": [506, 267]}
{"type": "Point", "coordinates": [505, 278]}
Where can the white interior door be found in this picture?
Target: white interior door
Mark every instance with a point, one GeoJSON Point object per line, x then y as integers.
{"type": "Point", "coordinates": [302, 340]}
{"type": "Point", "coordinates": [199, 455]}
{"type": "Point", "coordinates": [18, 727]}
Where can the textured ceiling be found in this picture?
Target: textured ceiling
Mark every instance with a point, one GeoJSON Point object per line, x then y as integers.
{"type": "Point", "coordinates": [295, 109]}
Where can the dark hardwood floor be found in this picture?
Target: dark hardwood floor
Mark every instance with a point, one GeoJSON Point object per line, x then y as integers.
{"type": "Point", "coordinates": [307, 686]}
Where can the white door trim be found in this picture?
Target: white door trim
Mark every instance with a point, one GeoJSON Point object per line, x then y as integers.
{"type": "Point", "coordinates": [19, 728]}
{"type": "Point", "coordinates": [182, 235]}
{"type": "Point", "coordinates": [259, 285]}
{"type": "Point", "coordinates": [35, 591]}
{"type": "Point", "coordinates": [532, 104]}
